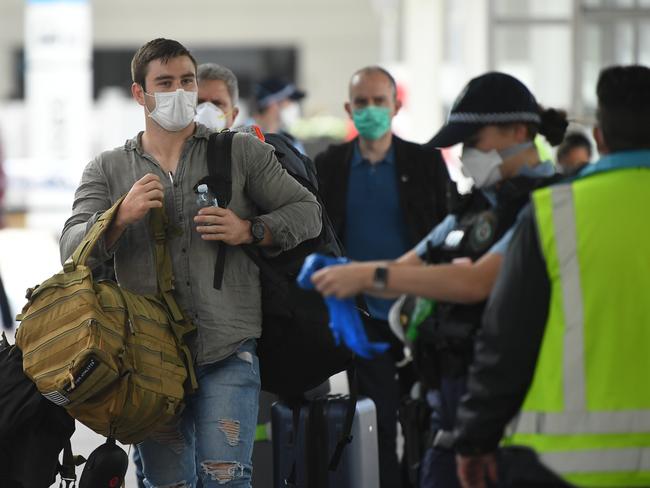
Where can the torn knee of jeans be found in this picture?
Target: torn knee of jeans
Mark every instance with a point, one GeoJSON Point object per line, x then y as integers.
{"type": "Point", "coordinates": [231, 429]}
{"type": "Point", "coordinates": [223, 471]}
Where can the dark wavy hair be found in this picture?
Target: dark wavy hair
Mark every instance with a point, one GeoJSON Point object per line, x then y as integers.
{"type": "Point", "coordinates": [163, 49]}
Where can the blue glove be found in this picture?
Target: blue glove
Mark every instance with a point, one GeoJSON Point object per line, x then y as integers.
{"type": "Point", "coordinates": [345, 322]}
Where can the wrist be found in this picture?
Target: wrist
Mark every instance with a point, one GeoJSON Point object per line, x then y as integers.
{"type": "Point", "coordinates": [119, 223]}
{"type": "Point", "coordinates": [248, 234]}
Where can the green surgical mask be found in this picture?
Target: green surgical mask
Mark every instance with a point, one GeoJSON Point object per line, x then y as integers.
{"type": "Point", "coordinates": [372, 122]}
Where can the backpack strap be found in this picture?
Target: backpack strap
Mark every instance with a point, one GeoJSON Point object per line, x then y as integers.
{"type": "Point", "coordinates": [67, 468]}
{"type": "Point", "coordinates": [220, 164]}
{"type": "Point", "coordinates": [85, 247]}
{"type": "Point", "coordinates": [5, 308]}
{"type": "Point", "coordinates": [164, 273]}
{"type": "Point", "coordinates": [346, 433]}
{"type": "Point", "coordinates": [165, 278]}
{"type": "Point", "coordinates": [220, 176]}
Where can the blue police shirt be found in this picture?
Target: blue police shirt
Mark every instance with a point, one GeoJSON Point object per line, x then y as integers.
{"type": "Point", "coordinates": [437, 236]}
{"type": "Point", "coordinates": [374, 224]}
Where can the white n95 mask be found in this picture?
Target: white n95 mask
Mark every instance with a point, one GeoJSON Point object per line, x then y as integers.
{"type": "Point", "coordinates": [482, 166]}
{"type": "Point", "coordinates": [289, 115]}
{"type": "Point", "coordinates": [174, 110]}
{"type": "Point", "coordinates": [208, 114]}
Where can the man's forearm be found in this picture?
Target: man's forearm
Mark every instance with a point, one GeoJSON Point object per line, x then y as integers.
{"type": "Point", "coordinates": [288, 226]}
{"type": "Point", "coordinates": [112, 234]}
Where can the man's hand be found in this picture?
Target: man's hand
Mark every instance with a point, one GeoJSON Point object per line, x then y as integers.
{"type": "Point", "coordinates": [145, 194]}
{"type": "Point", "coordinates": [221, 224]}
{"type": "Point", "coordinates": [472, 470]}
{"type": "Point", "coordinates": [344, 280]}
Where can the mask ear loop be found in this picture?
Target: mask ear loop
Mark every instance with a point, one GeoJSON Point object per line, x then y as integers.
{"type": "Point", "coordinates": [149, 112]}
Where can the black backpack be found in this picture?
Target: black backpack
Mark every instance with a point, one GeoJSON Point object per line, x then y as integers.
{"type": "Point", "coordinates": [33, 430]}
{"type": "Point", "coordinates": [296, 351]}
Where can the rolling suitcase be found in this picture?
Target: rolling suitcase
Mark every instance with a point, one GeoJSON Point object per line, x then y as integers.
{"type": "Point", "coordinates": [304, 461]}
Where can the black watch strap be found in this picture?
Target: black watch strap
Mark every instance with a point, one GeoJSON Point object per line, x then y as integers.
{"type": "Point", "coordinates": [380, 278]}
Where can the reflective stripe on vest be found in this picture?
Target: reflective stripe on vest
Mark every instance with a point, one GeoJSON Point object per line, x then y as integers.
{"type": "Point", "coordinates": [580, 430]}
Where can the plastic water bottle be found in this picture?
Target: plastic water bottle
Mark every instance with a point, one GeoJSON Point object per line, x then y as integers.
{"type": "Point", "coordinates": [422, 310]}
{"type": "Point", "coordinates": [205, 198]}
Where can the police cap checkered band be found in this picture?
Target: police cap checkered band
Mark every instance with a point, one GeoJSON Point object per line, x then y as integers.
{"type": "Point", "coordinates": [494, 118]}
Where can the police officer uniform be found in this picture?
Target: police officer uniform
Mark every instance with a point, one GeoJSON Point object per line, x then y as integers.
{"type": "Point", "coordinates": [482, 223]}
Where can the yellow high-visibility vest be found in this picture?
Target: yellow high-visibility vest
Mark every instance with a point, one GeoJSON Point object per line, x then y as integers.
{"type": "Point", "coordinates": [587, 412]}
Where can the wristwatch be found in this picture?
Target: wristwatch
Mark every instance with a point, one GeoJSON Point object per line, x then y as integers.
{"type": "Point", "coordinates": [257, 229]}
{"type": "Point", "coordinates": [380, 278]}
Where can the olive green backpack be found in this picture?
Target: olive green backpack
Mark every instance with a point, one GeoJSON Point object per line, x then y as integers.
{"type": "Point", "coordinates": [114, 359]}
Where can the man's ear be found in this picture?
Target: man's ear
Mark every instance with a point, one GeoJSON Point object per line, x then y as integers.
{"type": "Point", "coordinates": [600, 140]}
{"type": "Point", "coordinates": [138, 93]}
{"type": "Point", "coordinates": [348, 108]}
{"type": "Point", "coordinates": [398, 106]}
{"type": "Point", "coordinates": [235, 113]}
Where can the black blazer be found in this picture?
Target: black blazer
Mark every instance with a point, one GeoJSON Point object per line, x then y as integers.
{"type": "Point", "coordinates": [424, 185]}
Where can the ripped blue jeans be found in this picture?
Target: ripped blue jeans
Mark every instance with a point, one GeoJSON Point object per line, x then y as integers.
{"type": "Point", "coordinates": [214, 436]}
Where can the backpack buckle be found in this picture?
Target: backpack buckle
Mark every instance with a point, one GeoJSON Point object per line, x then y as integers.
{"type": "Point", "coordinates": [68, 266]}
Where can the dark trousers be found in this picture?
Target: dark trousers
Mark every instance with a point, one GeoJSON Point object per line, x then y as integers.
{"type": "Point", "coordinates": [518, 467]}
{"type": "Point", "coordinates": [438, 468]}
{"type": "Point", "coordinates": [378, 380]}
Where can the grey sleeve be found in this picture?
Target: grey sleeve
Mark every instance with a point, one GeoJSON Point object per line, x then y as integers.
{"type": "Point", "coordinates": [90, 201]}
{"type": "Point", "coordinates": [290, 212]}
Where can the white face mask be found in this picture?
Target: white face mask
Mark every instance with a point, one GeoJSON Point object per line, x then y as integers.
{"type": "Point", "coordinates": [289, 115]}
{"type": "Point", "coordinates": [482, 166]}
{"type": "Point", "coordinates": [208, 114]}
{"type": "Point", "coordinates": [174, 110]}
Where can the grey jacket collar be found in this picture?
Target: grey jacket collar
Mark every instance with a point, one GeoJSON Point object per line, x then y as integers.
{"type": "Point", "coordinates": [135, 144]}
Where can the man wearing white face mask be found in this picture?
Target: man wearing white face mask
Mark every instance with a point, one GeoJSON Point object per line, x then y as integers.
{"type": "Point", "coordinates": [276, 108]}
{"type": "Point", "coordinates": [217, 97]}
{"type": "Point", "coordinates": [496, 118]}
{"type": "Point", "coordinates": [159, 168]}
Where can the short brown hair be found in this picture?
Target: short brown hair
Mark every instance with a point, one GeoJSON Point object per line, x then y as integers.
{"type": "Point", "coordinates": [163, 49]}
